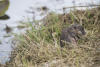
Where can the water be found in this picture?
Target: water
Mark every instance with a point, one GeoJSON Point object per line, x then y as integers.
{"type": "Point", "coordinates": [18, 10]}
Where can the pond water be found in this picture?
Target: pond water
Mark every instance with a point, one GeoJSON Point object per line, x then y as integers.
{"type": "Point", "coordinates": [18, 11]}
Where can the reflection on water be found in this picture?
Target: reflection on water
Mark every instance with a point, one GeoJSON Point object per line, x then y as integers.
{"type": "Point", "coordinates": [18, 11]}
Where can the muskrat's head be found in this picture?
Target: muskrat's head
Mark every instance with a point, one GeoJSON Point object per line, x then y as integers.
{"type": "Point", "coordinates": [78, 29]}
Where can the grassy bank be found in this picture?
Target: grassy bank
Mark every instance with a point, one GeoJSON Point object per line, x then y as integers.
{"type": "Point", "coordinates": [39, 47]}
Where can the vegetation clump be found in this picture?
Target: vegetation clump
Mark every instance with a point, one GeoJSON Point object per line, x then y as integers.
{"type": "Point", "coordinates": [40, 46]}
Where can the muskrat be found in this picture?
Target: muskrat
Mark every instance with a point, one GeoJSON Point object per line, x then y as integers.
{"type": "Point", "coordinates": [71, 34]}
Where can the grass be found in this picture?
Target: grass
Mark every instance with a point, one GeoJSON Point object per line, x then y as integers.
{"type": "Point", "coordinates": [39, 46]}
